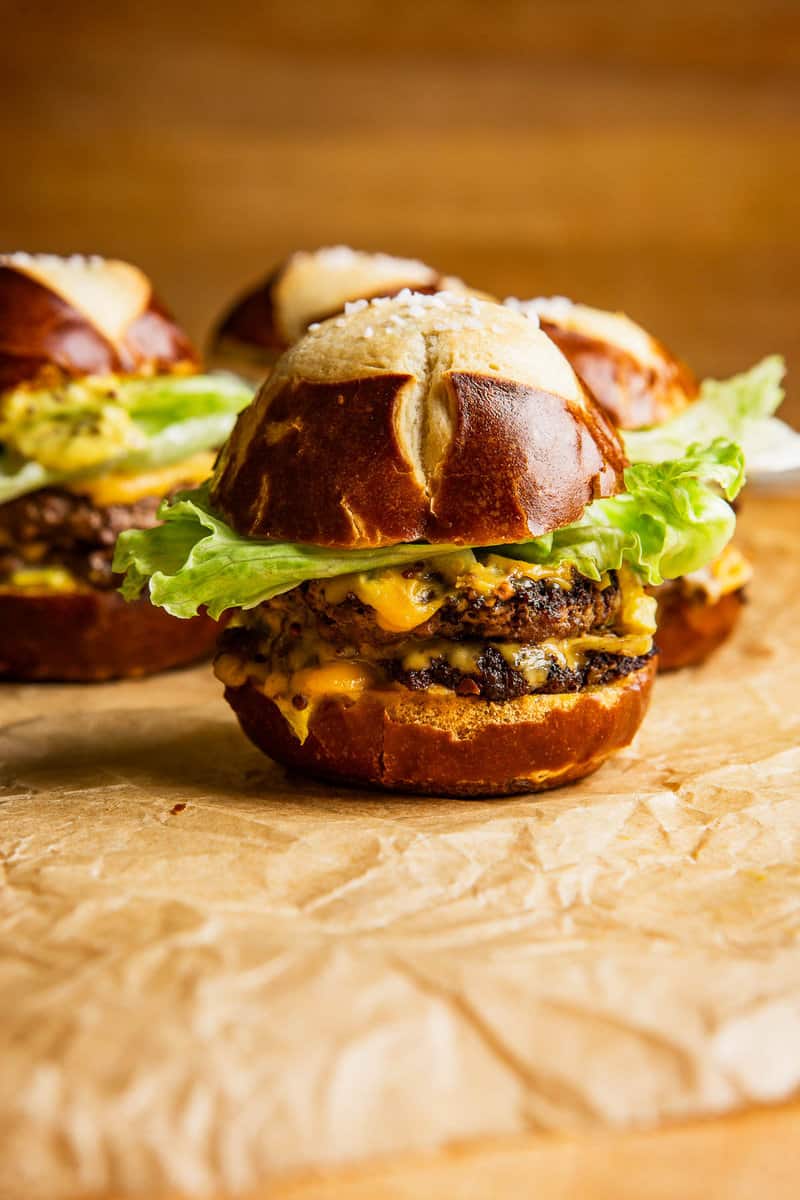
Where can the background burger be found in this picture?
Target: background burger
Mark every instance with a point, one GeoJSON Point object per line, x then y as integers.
{"type": "Point", "coordinates": [102, 412]}
{"type": "Point", "coordinates": [435, 574]}
{"type": "Point", "coordinates": [309, 287]}
{"type": "Point", "coordinates": [645, 389]}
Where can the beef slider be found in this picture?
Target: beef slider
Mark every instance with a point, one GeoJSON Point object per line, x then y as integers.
{"type": "Point", "coordinates": [421, 419]}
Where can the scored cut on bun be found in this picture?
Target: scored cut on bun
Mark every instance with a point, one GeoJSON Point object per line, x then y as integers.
{"type": "Point", "coordinates": [444, 418]}
{"type": "Point", "coordinates": [631, 374]}
{"type": "Point", "coordinates": [311, 286]}
{"type": "Point", "coordinates": [88, 636]}
{"type": "Point", "coordinates": [454, 746]}
{"type": "Point", "coordinates": [82, 315]}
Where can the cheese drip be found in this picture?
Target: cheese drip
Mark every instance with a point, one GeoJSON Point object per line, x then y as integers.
{"type": "Point", "coordinates": [405, 598]}
{"type": "Point", "coordinates": [728, 572]}
{"type": "Point", "coordinates": [128, 487]}
{"type": "Point", "coordinates": [297, 693]}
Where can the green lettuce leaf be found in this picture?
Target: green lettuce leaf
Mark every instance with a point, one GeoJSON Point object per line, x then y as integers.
{"type": "Point", "coordinates": [91, 427]}
{"type": "Point", "coordinates": [195, 560]}
{"type": "Point", "coordinates": [737, 409]}
{"type": "Point", "coordinates": [671, 520]}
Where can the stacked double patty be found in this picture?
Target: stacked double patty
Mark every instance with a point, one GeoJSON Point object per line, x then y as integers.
{"type": "Point", "coordinates": [57, 528]}
{"type": "Point", "coordinates": [475, 644]}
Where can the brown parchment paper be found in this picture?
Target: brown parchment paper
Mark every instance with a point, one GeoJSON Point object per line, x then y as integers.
{"type": "Point", "coordinates": [211, 973]}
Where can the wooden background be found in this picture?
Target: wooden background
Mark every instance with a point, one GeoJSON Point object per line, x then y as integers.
{"type": "Point", "coordinates": [639, 156]}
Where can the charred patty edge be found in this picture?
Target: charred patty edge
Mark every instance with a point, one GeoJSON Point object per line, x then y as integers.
{"type": "Point", "coordinates": [535, 611]}
{"type": "Point", "coordinates": [494, 679]}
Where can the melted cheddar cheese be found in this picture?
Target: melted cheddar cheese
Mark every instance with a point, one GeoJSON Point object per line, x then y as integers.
{"type": "Point", "coordinates": [41, 579]}
{"type": "Point", "coordinates": [403, 598]}
{"type": "Point", "coordinates": [728, 572]}
{"type": "Point", "coordinates": [298, 692]}
{"type": "Point", "coordinates": [128, 487]}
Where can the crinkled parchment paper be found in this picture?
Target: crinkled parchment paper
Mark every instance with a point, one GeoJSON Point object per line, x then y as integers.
{"type": "Point", "coordinates": [211, 973]}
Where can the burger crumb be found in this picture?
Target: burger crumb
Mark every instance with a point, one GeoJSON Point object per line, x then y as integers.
{"type": "Point", "coordinates": [300, 702]}
{"type": "Point", "coordinates": [467, 687]}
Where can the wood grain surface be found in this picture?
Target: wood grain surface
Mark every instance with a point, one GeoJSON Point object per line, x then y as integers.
{"type": "Point", "coordinates": [738, 1158]}
{"type": "Point", "coordinates": [641, 157]}
{"type": "Point", "coordinates": [744, 1157]}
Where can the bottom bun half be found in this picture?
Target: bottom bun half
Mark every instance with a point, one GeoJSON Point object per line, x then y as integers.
{"type": "Point", "coordinates": [452, 745]}
{"type": "Point", "coordinates": [691, 627]}
{"type": "Point", "coordinates": [89, 636]}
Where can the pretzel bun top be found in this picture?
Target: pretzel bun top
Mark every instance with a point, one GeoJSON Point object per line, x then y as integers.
{"type": "Point", "coordinates": [310, 286]}
{"type": "Point", "coordinates": [82, 316]}
{"type": "Point", "coordinates": [437, 417]}
{"type": "Point", "coordinates": [636, 379]}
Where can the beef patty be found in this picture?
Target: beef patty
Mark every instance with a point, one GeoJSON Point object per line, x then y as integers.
{"type": "Point", "coordinates": [492, 677]}
{"type": "Point", "coordinates": [54, 527]}
{"type": "Point", "coordinates": [525, 610]}
{"type": "Point", "coordinates": [495, 679]}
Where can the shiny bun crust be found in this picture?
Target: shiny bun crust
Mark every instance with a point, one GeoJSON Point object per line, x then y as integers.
{"type": "Point", "coordinates": [690, 628]}
{"type": "Point", "coordinates": [636, 379]}
{"type": "Point", "coordinates": [453, 746]}
{"type": "Point", "coordinates": [311, 286]}
{"type": "Point", "coordinates": [445, 418]}
{"type": "Point", "coordinates": [82, 316]}
{"type": "Point", "coordinates": [91, 636]}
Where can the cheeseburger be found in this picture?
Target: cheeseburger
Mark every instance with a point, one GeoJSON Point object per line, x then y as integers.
{"type": "Point", "coordinates": [656, 400]}
{"type": "Point", "coordinates": [102, 413]}
{"type": "Point", "coordinates": [308, 287]}
{"type": "Point", "coordinates": [432, 555]}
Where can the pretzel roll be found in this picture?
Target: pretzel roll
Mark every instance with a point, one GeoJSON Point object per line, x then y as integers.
{"type": "Point", "coordinates": [310, 286]}
{"type": "Point", "coordinates": [89, 636]}
{"type": "Point", "coordinates": [639, 383]}
{"type": "Point", "coordinates": [443, 417]}
{"type": "Point", "coordinates": [692, 625]}
{"type": "Point", "coordinates": [636, 379]}
{"type": "Point", "coordinates": [82, 316]}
